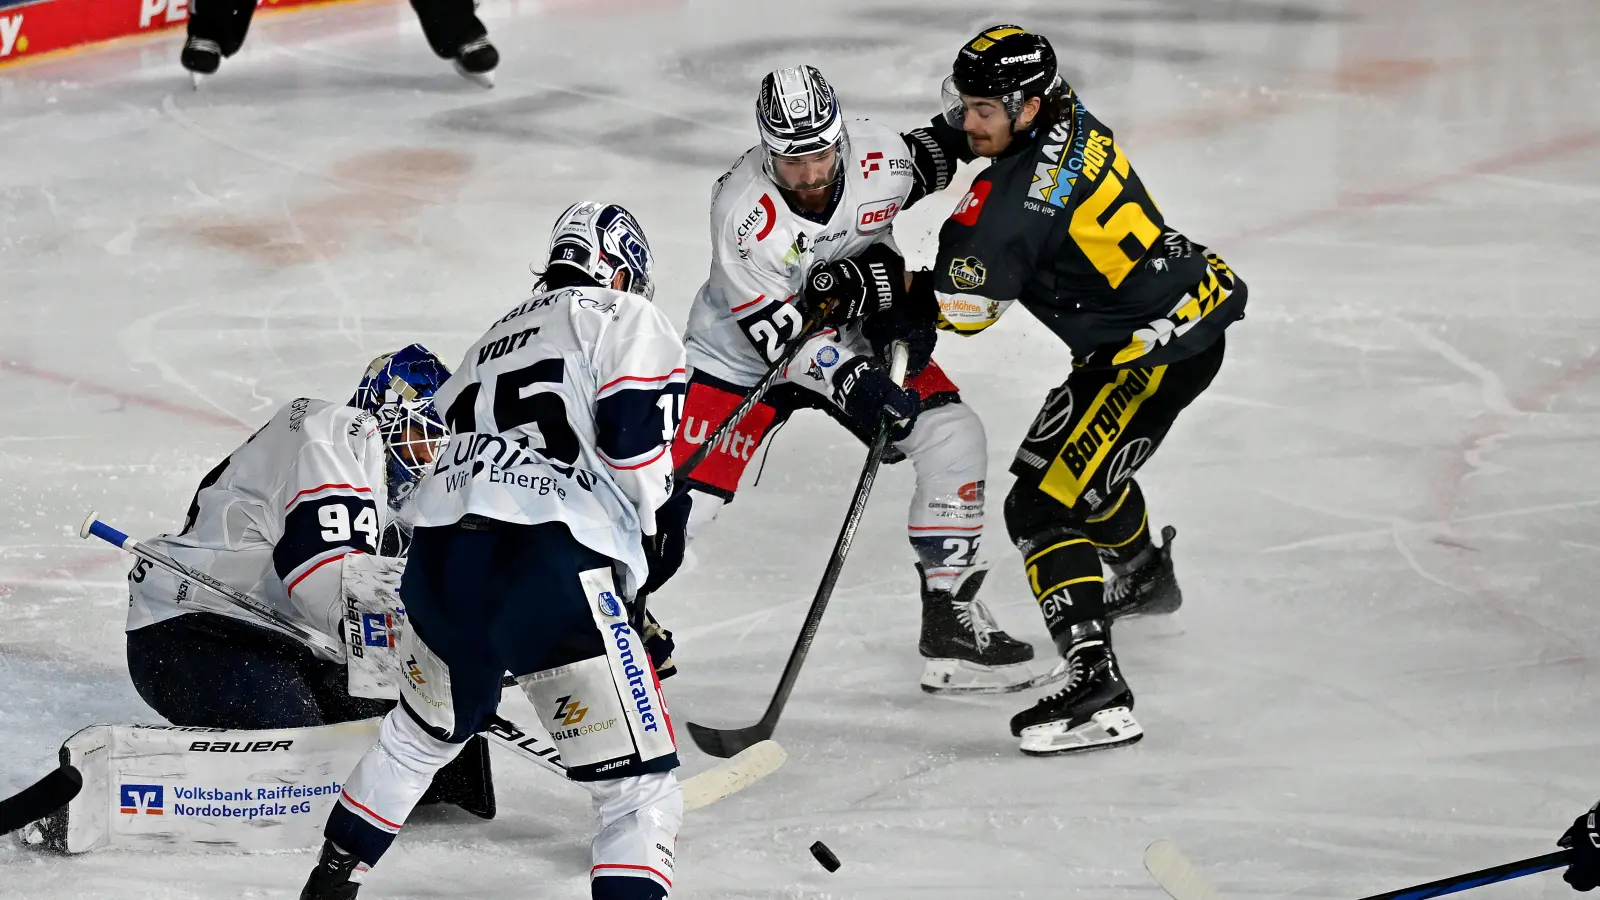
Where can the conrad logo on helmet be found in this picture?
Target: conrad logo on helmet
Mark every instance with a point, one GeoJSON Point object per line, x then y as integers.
{"type": "Point", "coordinates": [1026, 57]}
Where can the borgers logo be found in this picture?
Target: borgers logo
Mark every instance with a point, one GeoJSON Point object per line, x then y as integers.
{"type": "Point", "coordinates": [759, 221]}
{"type": "Point", "coordinates": [967, 274]}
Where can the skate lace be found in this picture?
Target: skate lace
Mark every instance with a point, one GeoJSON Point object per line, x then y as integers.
{"type": "Point", "coordinates": [203, 44]}
{"type": "Point", "coordinates": [1076, 674]}
{"type": "Point", "coordinates": [975, 616]}
{"type": "Point", "coordinates": [470, 46]}
{"type": "Point", "coordinates": [1118, 590]}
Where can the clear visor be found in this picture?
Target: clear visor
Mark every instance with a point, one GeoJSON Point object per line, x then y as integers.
{"type": "Point", "coordinates": [956, 105]}
{"type": "Point", "coordinates": [808, 171]}
{"type": "Point", "coordinates": [414, 437]}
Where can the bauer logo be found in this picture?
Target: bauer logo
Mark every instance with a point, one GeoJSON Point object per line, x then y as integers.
{"type": "Point", "coordinates": [609, 605]}
{"type": "Point", "coordinates": [143, 799]}
{"type": "Point", "coordinates": [875, 217]}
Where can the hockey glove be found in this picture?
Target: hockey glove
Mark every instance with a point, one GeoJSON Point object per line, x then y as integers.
{"type": "Point", "coordinates": [658, 643]}
{"type": "Point", "coordinates": [663, 551]}
{"type": "Point", "coordinates": [866, 393]}
{"type": "Point", "coordinates": [914, 318]}
{"type": "Point", "coordinates": [857, 287]}
{"type": "Point", "coordinates": [1583, 838]}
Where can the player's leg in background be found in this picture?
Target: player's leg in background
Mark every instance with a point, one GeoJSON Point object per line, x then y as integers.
{"type": "Point", "coordinates": [210, 671]}
{"type": "Point", "coordinates": [217, 28]}
{"type": "Point", "coordinates": [585, 670]}
{"type": "Point", "coordinates": [452, 689]}
{"type": "Point", "coordinates": [1075, 502]}
{"type": "Point", "coordinates": [455, 32]}
{"type": "Point", "coordinates": [965, 650]}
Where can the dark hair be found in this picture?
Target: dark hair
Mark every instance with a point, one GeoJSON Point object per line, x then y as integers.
{"type": "Point", "coordinates": [556, 277]}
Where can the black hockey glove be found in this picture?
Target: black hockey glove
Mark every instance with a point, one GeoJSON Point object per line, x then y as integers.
{"type": "Point", "coordinates": [914, 318]}
{"type": "Point", "coordinates": [1583, 838]}
{"type": "Point", "coordinates": [664, 549]}
{"type": "Point", "coordinates": [864, 284]}
{"type": "Point", "coordinates": [865, 393]}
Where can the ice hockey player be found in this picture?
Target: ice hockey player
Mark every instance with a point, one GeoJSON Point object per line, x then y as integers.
{"type": "Point", "coordinates": [785, 222]}
{"type": "Point", "coordinates": [217, 28]}
{"type": "Point", "coordinates": [1061, 223]}
{"type": "Point", "coordinates": [276, 520]}
{"type": "Point", "coordinates": [1583, 839]}
{"type": "Point", "coordinates": [530, 533]}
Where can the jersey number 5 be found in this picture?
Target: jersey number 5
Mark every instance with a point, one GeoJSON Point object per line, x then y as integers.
{"type": "Point", "coordinates": [518, 402]}
{"type": "Point", "coordinates": [1115, 241]}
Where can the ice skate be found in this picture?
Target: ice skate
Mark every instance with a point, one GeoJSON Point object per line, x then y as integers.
{"type": "Point", "coordinates": [966, 651]}
{"type": "Point", "coordinates": [1094, 710]}
{"type": "Point", "coordinates": [201, 57]}
{"type": "Point", "coordinates": [330, 880]}
{"type": "Point", "coordinates": [477, 60]}
{"type": "Point", "coordinates": [1146, 585]}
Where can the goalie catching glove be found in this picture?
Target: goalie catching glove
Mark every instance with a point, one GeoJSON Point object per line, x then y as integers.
{"type": "Point", "coordinates": [846, 291]}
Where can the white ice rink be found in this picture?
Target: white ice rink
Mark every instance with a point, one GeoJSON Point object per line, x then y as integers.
{"type": "Point", "coordinates": [1387, 504]}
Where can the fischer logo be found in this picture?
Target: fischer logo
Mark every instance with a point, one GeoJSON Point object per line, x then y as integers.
{"type": "Point", "coordinates": [170, 10]}
{"type": "Point", "coordinates": [874, 217]}
{"type": "Point", "coordinates": [966, 212]}
{"type": "Point", "coordinates": [11, 36]}
{"type": "Point", "coordinates": [870, 164]}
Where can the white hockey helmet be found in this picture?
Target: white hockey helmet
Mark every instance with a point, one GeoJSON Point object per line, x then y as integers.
{"type": "Point", "coordinates": [603, 240]}
{"type": "Point", "coordinates": [798, 114]}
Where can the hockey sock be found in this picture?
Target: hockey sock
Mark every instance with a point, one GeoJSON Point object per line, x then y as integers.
{"type": "Point", "coordinates": [1064, 572]}
{"type": "Point", "coordinates": [224, 21]}
{"type": "Point", "coordinates": [612, 887]}
{"type": "Point", "coordinates": [448, 24]}
{"type": "Point", "coordinates": [1122, 532]}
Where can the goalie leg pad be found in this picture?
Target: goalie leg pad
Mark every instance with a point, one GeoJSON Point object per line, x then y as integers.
{"type": "Point", "coordinates": [639, 821]}
{"type": "Point", "coordinates": [386, 785]}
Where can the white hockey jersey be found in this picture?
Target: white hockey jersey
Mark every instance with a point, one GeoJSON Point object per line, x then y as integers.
{"type": "Point", "coordinates": [275, 519]}
{"type": "Point", "coordinates": [563, 412]}
{"type": "Point", "coordinates": [761, 251]}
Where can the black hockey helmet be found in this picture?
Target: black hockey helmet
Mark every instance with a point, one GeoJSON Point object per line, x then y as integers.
{"type": "Point", "coordinates": [1005, 63]}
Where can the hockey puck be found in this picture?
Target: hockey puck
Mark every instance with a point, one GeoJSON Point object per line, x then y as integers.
{"type": "Point", "coordinates": [825, 856]}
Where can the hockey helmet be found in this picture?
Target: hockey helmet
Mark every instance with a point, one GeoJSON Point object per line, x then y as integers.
{"type": "Point", "coordinates": [798, 114]}
{"type": "Point", "coordinates": [398, 389]}
{"type": "Point", "coordinates": [1005, 63]}
{"type": "Point", "coordinates": [601, 241]}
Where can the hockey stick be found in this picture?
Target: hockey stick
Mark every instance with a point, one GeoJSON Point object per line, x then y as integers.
{"type": "Point", "coordinates": [99, 529]}
{"type": "Point", "coordinates": [728, 742]}
{"type": "Point", "coordinates": [40, 799]}
{"type": "Point", "coordinates": [1182, 881]}
{"type": "Point", "coordinates": [749, 402]}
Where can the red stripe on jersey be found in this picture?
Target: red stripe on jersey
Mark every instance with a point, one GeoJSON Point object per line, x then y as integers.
{"type": "Point", "coordinates": [351, 800]}
{"type": "Point", "coordinates": [640, 378]}
{"type": "Point", "coordinates": [772, 218]}
{"type": "Point", "coordinates": [326, 487]}
{"type": "Point", "coordinates": [664, 878]}
{"type": "Point", "coordinates": [290, 586]}
{"type": "Point", "coordinates": [636, 465]}
{"type": "Point", "coordinates": [744, 306]}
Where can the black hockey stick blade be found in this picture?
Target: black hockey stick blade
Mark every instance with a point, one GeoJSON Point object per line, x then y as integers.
{"type": "Point", "coordinates": [40, 799]}
{"type": "Point", "coordinates": [727, 743]}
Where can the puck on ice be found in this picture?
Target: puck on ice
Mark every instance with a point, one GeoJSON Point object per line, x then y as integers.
{"type": "Point", "coordinates": [825, 856]}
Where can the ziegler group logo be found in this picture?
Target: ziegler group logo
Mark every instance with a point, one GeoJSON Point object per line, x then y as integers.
{"type": "Point", "coordinates": [142, 799]}
{"type": "Point", "coordinates": [570, 711]}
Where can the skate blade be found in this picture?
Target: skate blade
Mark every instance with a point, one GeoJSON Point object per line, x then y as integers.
{"type": "Point", "coordinates": [195, 78]}
{"type": "Point", "coordinates": [484, 80]}
{"type": "Point", "coordinates": [959, 676]}
{"type": "Point", "coordinates": [1106, 728]}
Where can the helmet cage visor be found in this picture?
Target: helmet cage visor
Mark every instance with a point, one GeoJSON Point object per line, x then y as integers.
{"type": "Point", "coordinates": [955, 105]}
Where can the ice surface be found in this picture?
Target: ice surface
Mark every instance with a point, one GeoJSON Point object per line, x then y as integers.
{"type": "Point", "coordinates": [1386, 504]}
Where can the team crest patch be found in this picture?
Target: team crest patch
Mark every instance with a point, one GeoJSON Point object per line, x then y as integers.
{"type": "Point", "coordinates": [967, 274]}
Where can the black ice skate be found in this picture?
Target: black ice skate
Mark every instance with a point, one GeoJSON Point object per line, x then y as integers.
{"type": "Point", "coordinates": [201, 57]}
{"type": "Point", "coordinates": [476, 61]}
{"type": "Point", "coordinates": [1146, 584]}
{"type": "Point", "coordinates": [1094, 710]}
{"type": "Point", "coordinates": [330, 880]}
{"type": "Point", "coordinates": [966, 651]}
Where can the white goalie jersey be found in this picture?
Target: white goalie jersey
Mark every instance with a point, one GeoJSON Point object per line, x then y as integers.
{"type": "Point", "coordinates": [275, 519]}
{"type": "Point", "coordinates": [761, 250]}
{"type": "Point", "coordinates": [563, 412]}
